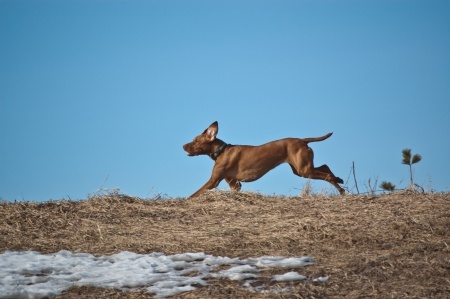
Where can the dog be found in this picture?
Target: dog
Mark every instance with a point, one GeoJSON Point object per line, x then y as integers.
{"type": "Point", "coordinates": [246, 163]}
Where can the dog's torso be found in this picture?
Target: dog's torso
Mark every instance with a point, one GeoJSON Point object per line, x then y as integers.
{"type": "Point", "coordinates": [247, 163]}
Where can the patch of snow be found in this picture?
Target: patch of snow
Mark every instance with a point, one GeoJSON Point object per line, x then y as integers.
{"type": "Point", "coordinates": [281, 262]}
{"type": "Point", "coordinates": [290, 276]}
{"type": "Point", "coordinates": [321, 279]}
{"type": "Point", "coordinates": [30, 274]}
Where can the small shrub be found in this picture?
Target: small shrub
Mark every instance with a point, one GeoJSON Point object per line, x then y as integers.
{"type": "Point", "coordinates": [388, 186]}
{"type": "Point", "coordinates": [407, 160]}
{"type": "Point", "coordinates": [410, 160]}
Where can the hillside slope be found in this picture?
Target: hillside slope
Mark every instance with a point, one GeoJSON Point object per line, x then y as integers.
{"type": "Point", "coordinates": [388, 246]}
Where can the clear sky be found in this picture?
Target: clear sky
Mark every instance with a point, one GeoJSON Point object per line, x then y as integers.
{"type": "Point", "coordinates": [103, 94]}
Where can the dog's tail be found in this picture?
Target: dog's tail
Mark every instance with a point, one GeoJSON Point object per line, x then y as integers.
{"type": "Point", "coordinates": [307, 140]}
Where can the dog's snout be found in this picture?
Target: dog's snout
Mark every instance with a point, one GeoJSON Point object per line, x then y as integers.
{"type": "Point", "coordinates": [187, 148]}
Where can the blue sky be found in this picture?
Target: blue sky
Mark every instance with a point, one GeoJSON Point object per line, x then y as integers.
{"type": "Point", "coordinates": [103, 94]}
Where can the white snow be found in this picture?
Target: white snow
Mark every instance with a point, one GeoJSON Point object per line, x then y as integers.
{"type": "Point", "coordinates": [281, 262]}
{"type": "Point", "coordinates": [321, 279]}
{"type": "Point", "coordinates": [290, 276]}
{"type": "Point", "coordinates": [30, 274]}
{"type": "Point", "coordinates": [237, 273]}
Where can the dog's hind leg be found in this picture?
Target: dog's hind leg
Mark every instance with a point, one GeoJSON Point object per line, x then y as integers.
{"type": "Point", "coordinates": [324, 173]}
{"type": "Point", "coordinates": [303, 166]}
{"type": "Point", "coordinates": [324, 168]}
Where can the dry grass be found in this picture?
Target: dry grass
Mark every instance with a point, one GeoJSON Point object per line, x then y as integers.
{"type": "Point", "coordinates": [389, 246]}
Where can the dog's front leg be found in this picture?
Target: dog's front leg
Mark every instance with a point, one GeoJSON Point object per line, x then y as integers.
{"type": "Point", "coordinates": [234, 184]}
{"type": "Point", "coordinates": [210, 184]}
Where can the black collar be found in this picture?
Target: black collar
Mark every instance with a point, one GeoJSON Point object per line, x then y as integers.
{"type": "Point", "coordinates": [218, 151]}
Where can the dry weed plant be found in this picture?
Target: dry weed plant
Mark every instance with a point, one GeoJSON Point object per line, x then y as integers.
{"type": "Point", "coordinates": [386, 246]}
{"type": "Point", "coordinates": [307, 189]}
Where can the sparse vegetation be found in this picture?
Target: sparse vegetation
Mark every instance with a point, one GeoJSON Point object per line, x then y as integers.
{"type": "Point", "coordinates": [407, 160]}
{"type": "Point", "coordinates": [372, 187]}
{"type": "Point", "coordinates": [388, 186]}
{"type": "Point", "coordinates": [375, 246]}
{"type": "Point", "coordinates": [307, 189]}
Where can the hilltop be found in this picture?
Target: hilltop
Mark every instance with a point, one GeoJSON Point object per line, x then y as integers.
{"type": "Point", "coordinates": [385, 246]}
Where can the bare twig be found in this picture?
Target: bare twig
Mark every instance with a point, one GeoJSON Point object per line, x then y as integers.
{"type": "Point", "coordinates": [354, 177]}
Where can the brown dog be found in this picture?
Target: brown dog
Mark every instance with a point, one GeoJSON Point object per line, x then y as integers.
{"type": "Point", "coordinates": [245, 163]}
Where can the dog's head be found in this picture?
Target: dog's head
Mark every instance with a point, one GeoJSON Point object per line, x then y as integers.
{"type": "Point", "coordinates": [202, 144]}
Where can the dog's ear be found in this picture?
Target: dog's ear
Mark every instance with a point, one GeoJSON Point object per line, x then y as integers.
{"type": "Point", "coordinates": [212, 131]}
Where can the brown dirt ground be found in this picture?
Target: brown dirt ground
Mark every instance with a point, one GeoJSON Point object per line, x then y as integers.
{"type": "Point", "coordinates": [387, 246]}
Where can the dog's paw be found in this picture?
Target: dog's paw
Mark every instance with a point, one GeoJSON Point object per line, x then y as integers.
{"type": "Point", "coordinates": [339, 180]}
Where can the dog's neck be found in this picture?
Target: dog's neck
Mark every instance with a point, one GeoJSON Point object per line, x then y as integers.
{"type": "Point", "coordinates": [219, 150]}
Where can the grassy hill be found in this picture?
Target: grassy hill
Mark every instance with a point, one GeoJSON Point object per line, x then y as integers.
{"type": "Point", "coordinates": [387, 246]}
